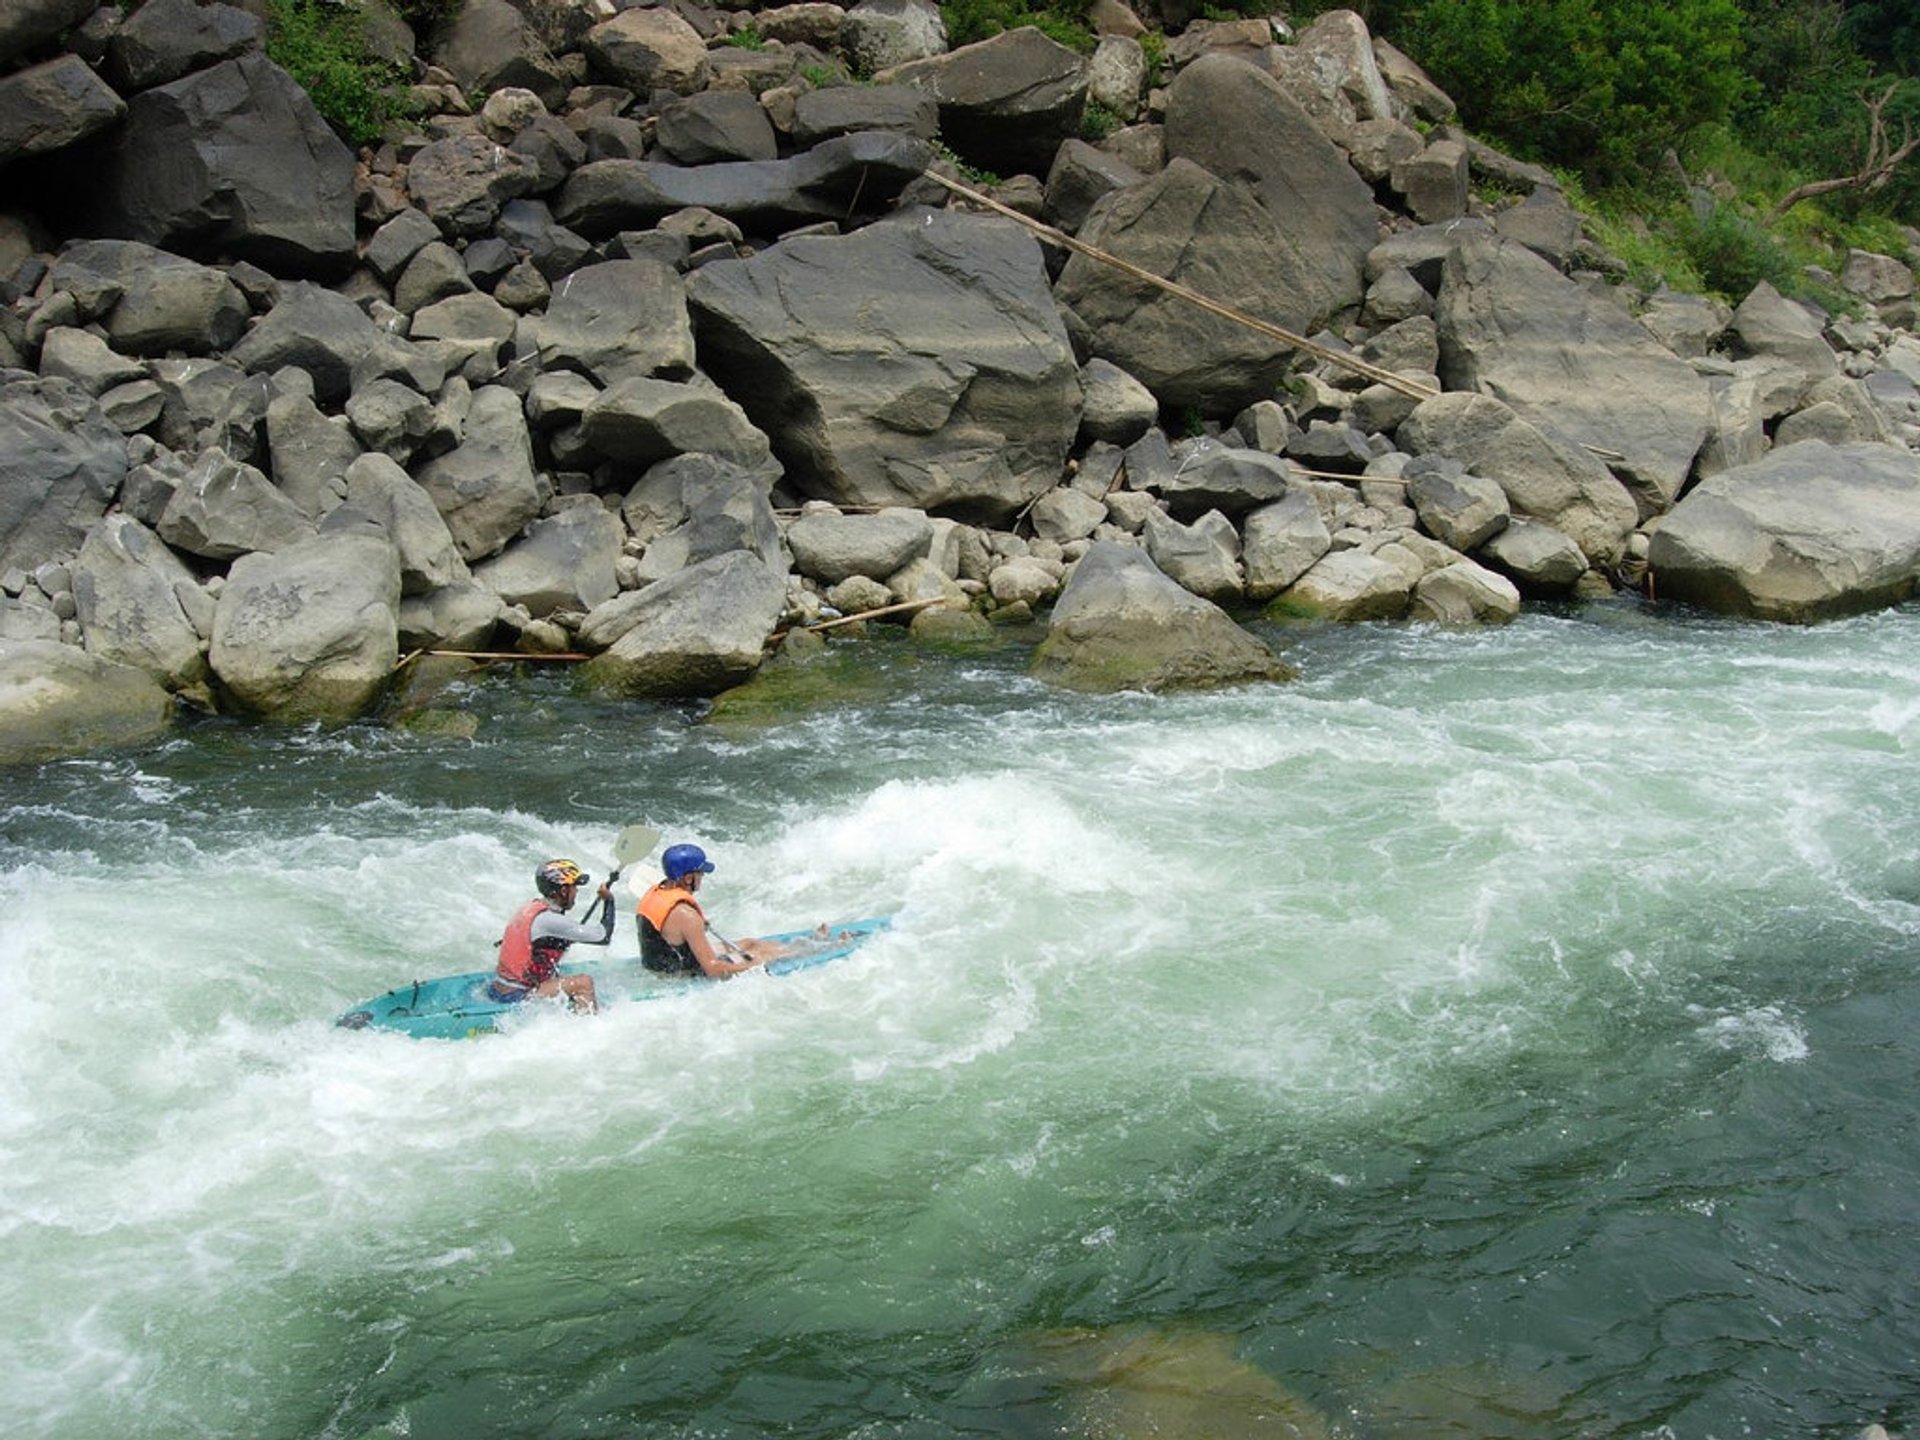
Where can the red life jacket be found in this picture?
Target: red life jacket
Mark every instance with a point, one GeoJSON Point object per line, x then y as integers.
{"type": "Point", "coordinates": [519, 965]}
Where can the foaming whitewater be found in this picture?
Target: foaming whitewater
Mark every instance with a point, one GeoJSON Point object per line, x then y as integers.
{"type": "Point", "coordinates": [1458, 1040]}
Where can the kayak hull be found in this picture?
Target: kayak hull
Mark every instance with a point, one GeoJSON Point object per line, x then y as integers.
{"type": "Point", "coordinates": [458, 1007]}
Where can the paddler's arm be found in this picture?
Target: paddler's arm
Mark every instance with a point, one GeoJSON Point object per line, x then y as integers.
{"type": "Point", "coordinates": [556, 926]}
{"type": "Point", "coordinates": [683, 928]}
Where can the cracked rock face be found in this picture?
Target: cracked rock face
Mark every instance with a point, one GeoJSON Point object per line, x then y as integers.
{"type": "Point", "coordinates": [916, 363]}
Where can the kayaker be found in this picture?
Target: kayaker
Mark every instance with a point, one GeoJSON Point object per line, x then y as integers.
{"type": "Point", "coordinates": [673, 927]}
{"type": "Point", "coordinates": [537, 938]}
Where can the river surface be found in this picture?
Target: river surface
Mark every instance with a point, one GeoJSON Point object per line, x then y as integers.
{"type": "Point", "coordinates": [1506, 1033]}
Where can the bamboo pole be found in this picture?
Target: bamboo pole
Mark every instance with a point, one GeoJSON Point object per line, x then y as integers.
{"type": "Point", "coordinates": [872, 614]}
{"type": "Point", "coordinates": [1048, 233]}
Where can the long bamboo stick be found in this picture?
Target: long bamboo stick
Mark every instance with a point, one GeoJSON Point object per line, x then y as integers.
{"type": "Point", "coordinates": [1173, 287]}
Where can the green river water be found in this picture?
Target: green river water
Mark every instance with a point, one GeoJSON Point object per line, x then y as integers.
{"type": "Point", "coordinates": [1507, 1033]}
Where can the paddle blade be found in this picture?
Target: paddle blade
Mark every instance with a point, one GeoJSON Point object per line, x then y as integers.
{"type": "Point", "coordinates": [634, 843]}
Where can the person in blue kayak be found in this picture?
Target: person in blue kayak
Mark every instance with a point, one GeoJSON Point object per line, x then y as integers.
{"type": "Point", "coordinates": [537, 938]}
{"type": "Point", "coordinates": [673, 927]}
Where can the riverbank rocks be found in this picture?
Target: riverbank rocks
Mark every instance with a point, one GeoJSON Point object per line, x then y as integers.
{"type": "Point", "coordinates": [310, 632]}
{"type": "Point", "coordinates": [1513, 327]}
{"type": "Point", "coordinates": [1189, 226]}
{"type": "Point", "coordinates": [233, 159]}
{"type": "Point", "coordinates": [632, 342]}
{"type": "Point", "coordinates": [1808, 532]}
{"type": "Point", "coordinates": [1120, 624]}
{"type": "Point", "coordinates": [917, 363]}
{"type": "Point", "coordinates": [56, 700]}
{"type": "Point", "coordinates": [696, 633]}
{"type": "Point", "coordinates": [1543, 476]}
{"type": "Point", "coordinates": [65, 464]}
{"type": "Point", "coordinates": [139, 605]}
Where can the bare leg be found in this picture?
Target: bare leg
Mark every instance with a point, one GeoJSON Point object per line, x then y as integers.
{"type": "Point", "coordinates": [578, 990]}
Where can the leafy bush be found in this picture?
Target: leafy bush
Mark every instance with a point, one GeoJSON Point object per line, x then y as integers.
{"type": "Point", "coordinates": [968, 21]}
{"type": "Point", "coordinates": [1603, 86]}
{"type": "Point", "coordinates": [322, 48]}
{"type": "Point", "coordinates": [1732, 253]}
{"type": "Point", "coordinates": [1097, 122]}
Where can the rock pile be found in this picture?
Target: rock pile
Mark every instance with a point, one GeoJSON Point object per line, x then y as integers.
{"type": "Point", "coordinates": [650, 337]}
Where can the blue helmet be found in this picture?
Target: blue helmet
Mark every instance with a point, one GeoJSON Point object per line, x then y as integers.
{"type": "Point", "coordinates": [685, 860]}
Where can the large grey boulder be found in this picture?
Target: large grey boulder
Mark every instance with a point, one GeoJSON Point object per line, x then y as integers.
{"type": "Point", "coordinates": [1807, 532]}
{"type": "Point", "coordinates": [1006, 103]}
{"type": "Point", "coordinates": [225, 508]}
{"type": "Point", "coordinates": [1331, 69]}
{"type": "Point", "coordinates": [25, 24]}
{"type": "Point", "coordinates": [695, 507]}
{"type": "Point", "coordinates": [461, 616]}
{"type": "Point", "coordinates": [1877, 279]}
{"type": "Point", "coordinates": [313, 329]}
{"type": "Point", "coordinates": [1280, 542]}
{"type": "Point", "coordinates": [641, 421]}
{"type": "Point", "coordinates": [878, 35]}
{"type": "Point", "coordinates": [717, 125]}
{"type": "Point", "coordinates": [831, 547]}
{"type": "Point", "coordinates": [88, 361]}
{"type": "Point", "coordinates": [1513, 327]}
{"type": "Point", "coordinates": [1212, 476]}
{"type": "Point", "coordinates": [165, 39]}
{"type": "Point", "coordinates": [918, 363]}
{"type": "Point", "coordinates": [1456, 508]}
{"type": "Point", "coordinates": [309, 632]}
{"type": "Point", "coordinates": [1767, 323]}
{"type": "Point", "coordinates": [1464, 593]}
{"type": "Point", "coordinates": [565, 562]}
{"type": "Point", "coordinates": [131, 595]}
{"type": "Point", "coordinates": [489, 45]}
{"type": "Point", "coordinates": [1191, 227]}
{"type": "Point", "coordinates": [695, 633]}
{"type": "Point", "coordinates": [648, 50]}
{"type": "Point", "coordinates": [866, 170]}
{"type": "Point", "coordinates": [1120, 624]}
{"type": "Point", "coordinates": [50, 106]}
{"type": "Point", "coordinates": [614, 321]}
{"type": "Point", "coordinates": [848, 109]}
{"type": "Point", "coordinates": [1348, 585]}
{"type": "Point", "coordinates": [485, 487]}
{"type": "Point", "coordinates": [309, 453]}
{"type": "Point", "coordinates": [151, 302]}
{"type": "Point", "coordinates": [1538, 558]}
{"type": "Point", "coordinates": [64, 464]}
{"type": "Point", "coordinates": [1238, 123]}
{"type": "Point", "coordinates": [57, 700]}
{"type": "Point", "coordinates": [1544, 476]}
{"type": "Point", "coordinates": [230, 160]}
{"type": "Point", "coordinates": [1202, 558]}
{"type": "Point", "coordinates": [463, 182]}
{"type": "Point", "coordinates": [429, 560]}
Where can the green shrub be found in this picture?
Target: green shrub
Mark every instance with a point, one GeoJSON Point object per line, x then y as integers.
{"type": "Point", "coordinates": [321, 47]}
{"type": "Point", "coordinates": [1600, 85]}
{"type": "Point", "coordinates": [968, 21]}
{"type": "Point", "coordinates": [747, 38]}
{"type": "Point", "coordinates": [1097, 122]}
{"type": "Point", "coordinates": [1731, 253]}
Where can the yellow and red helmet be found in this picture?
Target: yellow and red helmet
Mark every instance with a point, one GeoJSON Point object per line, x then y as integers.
{"type": "Point", "coordinates": [558, 875]}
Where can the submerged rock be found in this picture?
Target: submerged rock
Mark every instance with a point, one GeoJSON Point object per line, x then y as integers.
{"type": "Point", "coordinates": [1120, 624]}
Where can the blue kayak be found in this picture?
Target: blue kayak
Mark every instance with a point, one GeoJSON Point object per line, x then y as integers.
{"type": "Point", "coordinates": [456, 1007]}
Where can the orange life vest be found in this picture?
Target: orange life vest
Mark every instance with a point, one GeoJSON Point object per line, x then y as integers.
{"type": "Point", "coordinates": [654, 908]}
{"type": "Point", "coordinates": [519, 966]}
